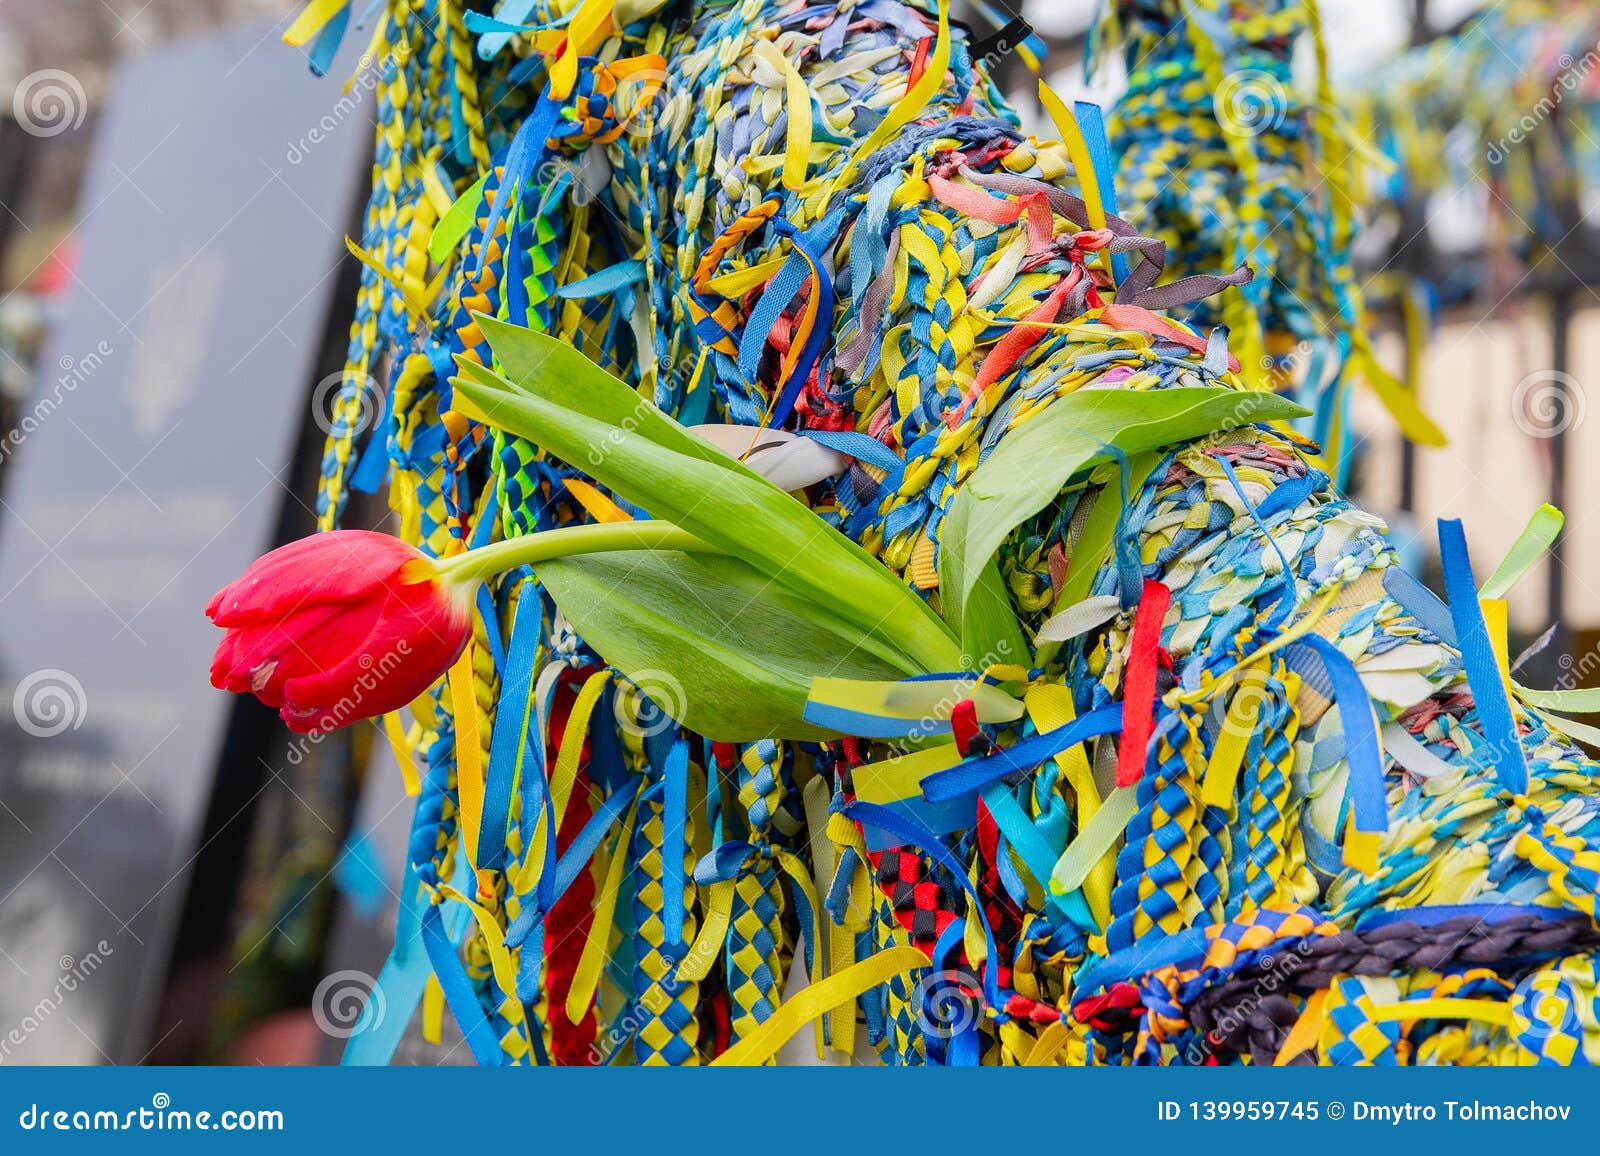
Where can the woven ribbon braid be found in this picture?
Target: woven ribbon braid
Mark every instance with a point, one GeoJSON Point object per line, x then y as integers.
{"type": "Point", "coordinates": [1226, 595]}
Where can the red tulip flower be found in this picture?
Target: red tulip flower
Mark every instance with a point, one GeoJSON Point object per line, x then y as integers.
{"type": "Point", "coordinates": [338, 627]}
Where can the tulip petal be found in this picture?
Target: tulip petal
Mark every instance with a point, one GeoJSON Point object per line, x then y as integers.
{"type": "Point", "coordinates": [340, 566]}
{"type": "Point", "coordinates": [337, 627]}
{"type": "Point", "coordinates": [279, 649]}
{"type": "Point", "coordinates": [410, 643]}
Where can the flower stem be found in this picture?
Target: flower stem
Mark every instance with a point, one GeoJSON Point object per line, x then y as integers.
{"type": "Point", "coordinates": [531, 549]}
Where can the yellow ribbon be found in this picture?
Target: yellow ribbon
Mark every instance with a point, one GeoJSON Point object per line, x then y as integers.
{"type": "Point", "coordinates": [1078, 149]}
{"type": "Point", "coordinates": [586, 977]}
{"type": "Point", "coordinates": [500, 962]}
{"type": "Point", "coordinates": [588, 28]}
{"type": "Point", "coordinates": [311, 20]}
{"type": "Point", "coordinates": [564, 775]}
{"type": "Point", "coordinates": [908, 107]}
{"type": "Point", "coordinates": [1484, 1011]}
{"type": "Point", "coordinates": [797, 147]}
{"type": "Point", "coordinates": [1050, 707]}
{"type": "Point", "coordinates": [396, 735]}
{"type": "Point", "coordinates": [763, 1043]}
{"type": "Point", "coordinates": [1361, 849]}
{"type": "Point", "coordinates": [1397, 399]}
{"type": "Point", "coordinates": [719, 916]}
{"type": "Point", "coordinates": [741, 281]}
{"type": "Point", "coordinates": [1302, 627]}
{"type": "Point", "coordinates": [1051, 1041]}
{"type": "Point", "coordinates": [1222, 771]}
{"type": "Point", "coordinates": [817, 797]}
{"type": "Point", "coordinates": [1495, 614]}
{"type": "Point", "coordinates": [1307, 1030]}
{"type": "Point", "coordinates": [469, 752]}
{"type": "Point", "coordinates": [433, 1011]}
{"type": "Point", "coordinates": [600, 507]}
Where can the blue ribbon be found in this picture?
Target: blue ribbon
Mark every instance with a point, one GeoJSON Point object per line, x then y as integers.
{"type": "Point", "coordinates": [509, 738]}
{"type": "Point", "coordinates": [582, 849]}
{"type": "Point", "coordinates": [860, 446]}
{"type": "Point", "coordinates": [1368, 795]}
{"type": "Point", "coordinates": [1490, 913]}
{"type": "Point", "coordinates": [1020, 832]}
{"type": "Point", "coordinates": [607, 280]}
{"type": "Point", "coordinates": [399, 986]}
{"type": "Point", "coordinates": [962, 1049]}
{"type": "Point", "coordinates": [870, 814]}
{"type": "Point", "coordinates": [1284, 600]}
{"type": "Point", "coordinates": [326, 46]}
{"type": "Point", "coordinates": [491, 627]}
{"type": "Point", "coordinates": [1477, 655]}
{"type": "Point", "coordinates": [459, 993]}
{"type": "Point", "coordinates": [1421, 603]}
{"type": "Point", "coordinates": [374, 463]}
{"type": "Point", "coordinates": [674, 813]}
{"type": "Point", "coordinates": [496, 31]}
{"type": "Point", "coordinates": [522, 157]}
{"type": "Point", "coordinates": [729, 859]}
{"type": "Point", "coordinates": [1021, 756]}
{"type": "Point", "coordinates": [780, 291]}
{"type": "Point", "coordinates": [870, 726]}
{"type": "Point", "coordinates": [1125, 543]}
{"type": "Point", "coordinates": [1092, 123]}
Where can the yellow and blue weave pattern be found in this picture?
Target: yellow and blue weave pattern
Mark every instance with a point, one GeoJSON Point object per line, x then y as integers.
{"type": "Point", "coordinates": [822, 217]}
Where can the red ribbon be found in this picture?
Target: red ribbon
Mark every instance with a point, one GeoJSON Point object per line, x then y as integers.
{"type": "Point", "coordinates": [919, 62]}
{"type": "Point", "coordinates": [964, 726]}
{"type": "Point", "coordinates": [1139, 682]}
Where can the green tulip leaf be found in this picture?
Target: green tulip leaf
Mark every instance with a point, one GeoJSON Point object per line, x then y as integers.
{"type": "Point", "coordinates": [990, 633]}
{"type": "Point", "coordinates": [716, 645]}
{"type": "Point", "coordinates": [1034, 461]}
{"type": "Point", "coordinates": [574, 409]}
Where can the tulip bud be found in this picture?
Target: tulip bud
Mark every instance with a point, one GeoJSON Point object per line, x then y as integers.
{"type": "Point", "coordinates": [339, 627]}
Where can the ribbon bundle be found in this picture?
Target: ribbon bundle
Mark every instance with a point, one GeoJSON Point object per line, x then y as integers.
{"type": "Point", "coordinates": [1507, 102]}
{"type": "Point", "coordinates": [1179, 717]}
{"type": "Point", "coordinates": [1223, 157]}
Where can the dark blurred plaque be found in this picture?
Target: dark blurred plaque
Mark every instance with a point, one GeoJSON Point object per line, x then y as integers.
{"type": "Point", "coordinates": [146, 473]}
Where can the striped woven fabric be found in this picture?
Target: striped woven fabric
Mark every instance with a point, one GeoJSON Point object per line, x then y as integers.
{"type": "Point", "coordinates": [1237, 732]}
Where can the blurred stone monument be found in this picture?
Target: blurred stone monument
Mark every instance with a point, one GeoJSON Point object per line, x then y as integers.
{"type": "Point", "coordinates": [147, 470]}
